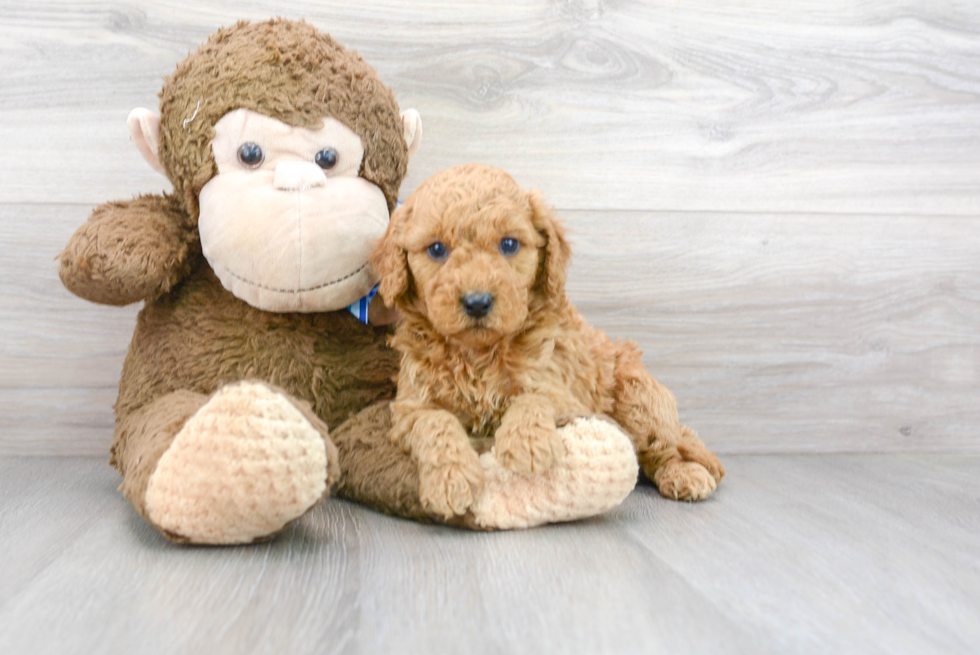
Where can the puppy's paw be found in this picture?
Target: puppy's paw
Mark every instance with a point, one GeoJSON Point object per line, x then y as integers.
{"type": "Point", "coordinates": [692, 449]}
{"type": "Point", "coordinates": [705, 458]}
{"type": "Point", "coordinates": [680, 480]}
{"type": "Point", "coordinates": [450, 488]}
{"type": "Point", "coordinates": [524, 448]}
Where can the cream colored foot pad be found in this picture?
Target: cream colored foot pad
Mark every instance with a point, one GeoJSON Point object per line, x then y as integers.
{"type": "Point", "coordinates": [247, 463]}
{"type": "Point", "coordinates": [598, 471]}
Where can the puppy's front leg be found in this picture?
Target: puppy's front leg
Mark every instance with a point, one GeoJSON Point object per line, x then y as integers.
{"type": "Point", "coordinates": [527, 439]}
{"type": "Point", "coordinates": [450, 475]}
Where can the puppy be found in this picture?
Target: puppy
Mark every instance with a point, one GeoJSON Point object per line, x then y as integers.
{"type": "Point", "coordinates": [491, 348]}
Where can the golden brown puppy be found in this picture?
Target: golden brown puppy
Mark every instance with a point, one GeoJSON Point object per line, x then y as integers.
{"type": "Point", "coordinates": [492, 348]}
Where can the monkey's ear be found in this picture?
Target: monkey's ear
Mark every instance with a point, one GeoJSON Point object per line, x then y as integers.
{"type": "Point", "coordinates": [389, 259]}
{"type": "Point", "coordinates": [144, 132]}
{"type": "Point", "coordinates": [412, 126]}
{"type": "Point", "coordinates": [556, 249]}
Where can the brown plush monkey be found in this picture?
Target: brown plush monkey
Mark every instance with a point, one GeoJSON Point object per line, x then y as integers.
{"type": "Point", "coordinates": [285, 152]}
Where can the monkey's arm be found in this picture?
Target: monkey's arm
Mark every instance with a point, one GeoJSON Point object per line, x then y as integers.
{"type": "Point", "coordinates": [130, 251]}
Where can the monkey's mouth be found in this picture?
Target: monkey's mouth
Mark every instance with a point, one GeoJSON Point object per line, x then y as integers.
{"type": "Point", "coordinates": [309, 256]}
{"type": "Point", "coordinates": [317, 287]}
{"type": "Point", "coordinates": [330, 295]}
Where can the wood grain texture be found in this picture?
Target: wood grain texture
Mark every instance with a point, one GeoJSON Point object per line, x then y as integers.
{"type": "Point", "coordinates": [796, 333]}
{"type": "Point", "coordinates": [795, 554]}
{"type": "Point", "coordinates": [809, 105]}
{"type": "Point", "coordinates": [803, 333]}
{"type": "Point", "coordinates": [778, 201]}
{"type": "Point", "coordinates": [780, 327]}
{"type": "Point", "coordinates": [60, 357]}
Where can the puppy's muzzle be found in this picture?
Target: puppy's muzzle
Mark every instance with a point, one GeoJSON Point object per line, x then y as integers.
{"type": "Point", "coordinates": [477, 305]}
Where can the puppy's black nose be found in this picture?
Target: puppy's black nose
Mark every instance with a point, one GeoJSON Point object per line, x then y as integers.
{"type": "Point", "coordinates": [477, 305]}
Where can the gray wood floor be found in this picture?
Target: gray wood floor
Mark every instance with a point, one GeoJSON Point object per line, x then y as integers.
{"type": "Point", "coordinates": [796, 554]}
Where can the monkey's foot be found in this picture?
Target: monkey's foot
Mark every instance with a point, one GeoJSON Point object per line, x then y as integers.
{"type": "Point", "coordinates": [243, 466]}
{"type": "Point", "coordinates": [596, 473]}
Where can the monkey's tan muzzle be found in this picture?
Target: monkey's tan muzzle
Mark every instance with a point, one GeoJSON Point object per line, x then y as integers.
{"type": "Point", "coordinates": [298, 176]}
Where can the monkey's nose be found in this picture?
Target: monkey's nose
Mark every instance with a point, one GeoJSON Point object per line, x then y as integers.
{"type": "Point", "coordinates": [298, 175]}
{"type": "Point", "coordinates": [477, 305]}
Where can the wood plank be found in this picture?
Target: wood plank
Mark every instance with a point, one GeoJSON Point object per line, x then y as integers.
{"type": "Point", "coordinates": [844, 554]}
{"type": "Point", "coordinates": [134, 592]}
{"type": "Point", "coordinates": [48, 505]}
{"type": "Point", "coordinates": [808, 333]}
{"type": "Point", "coordinates": [809, 105]}
{"type": "Point", "coordinates": [60, 357]}
{"type": "Point", "coordinates": [348, 579]}
{"type": "Point", "coordinates": [801, 554]}
{"type": "Point", "coordinates": [583, 590]}
{"type": "Point", "coordinates": [802, 333]}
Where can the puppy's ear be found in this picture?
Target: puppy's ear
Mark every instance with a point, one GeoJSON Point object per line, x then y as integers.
{"type": "Point", "coordinates": [551, 279]}
{"type": "Point", "coordinates": [389, 259]}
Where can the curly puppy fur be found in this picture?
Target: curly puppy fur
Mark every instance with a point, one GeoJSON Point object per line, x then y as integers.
{"type": "Point", "coordinates": [509, 373]}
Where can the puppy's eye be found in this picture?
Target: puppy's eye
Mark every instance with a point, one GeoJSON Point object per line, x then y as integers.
{"type": "Point", "coordinates": [509, 246]}
{"type": "Point", "coordinates": [250, 155]}
{"type": "Point", "coordinates": [438, 251]}
{"type": "Point", "coordinates": [326, 158]}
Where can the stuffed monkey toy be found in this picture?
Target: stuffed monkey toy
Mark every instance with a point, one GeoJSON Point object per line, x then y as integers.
{"type": "Point", "coordinates": [251, 391]}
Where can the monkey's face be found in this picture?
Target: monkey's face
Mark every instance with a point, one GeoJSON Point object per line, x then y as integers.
{"type": "Point", "coordinates": [287, 224]}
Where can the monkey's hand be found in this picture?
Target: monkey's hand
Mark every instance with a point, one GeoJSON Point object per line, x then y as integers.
{"type": "Point", "coordinates": [130, 251]}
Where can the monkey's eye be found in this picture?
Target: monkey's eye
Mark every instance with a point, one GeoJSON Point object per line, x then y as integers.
{"type": "Point", "coordinates": [326, 158]}
{"type": "Point", "coordinates": [509, 246]}
{"type": "Point", "coordinates": [438, 251]}
{"type": "Point", "coordinates": [250, 155]}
